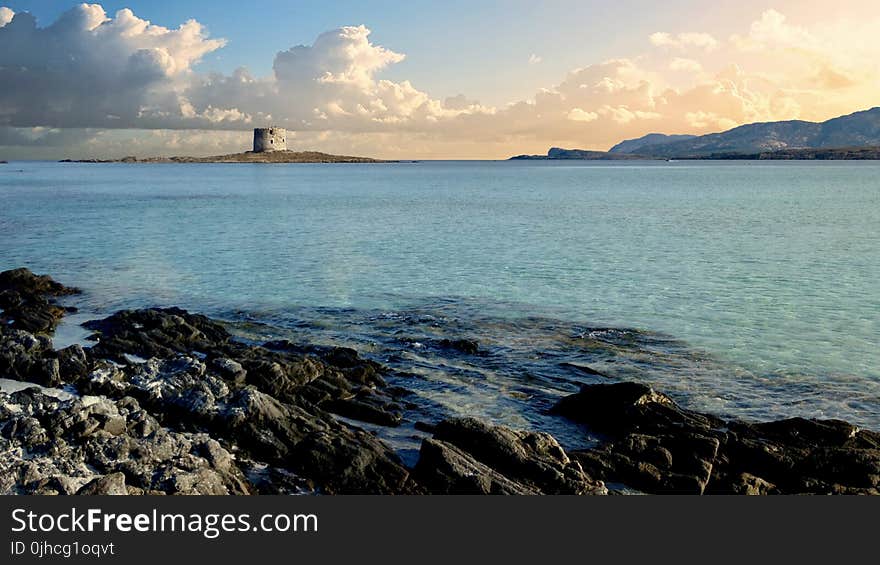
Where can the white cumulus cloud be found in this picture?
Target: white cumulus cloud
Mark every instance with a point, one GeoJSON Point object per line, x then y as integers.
{"type": "Point", "coordinates": [684, 40]}
{"type": "Point", "coordinates": [95, 82]}
{"type": "Point", "coordinates": [5, 15]}
{"type": "Point", "coordinates": [578, 115]}
{"type": "Point", "coordinates": [685, 65]}
{"type": "Point", "coordinates": [90, 70]}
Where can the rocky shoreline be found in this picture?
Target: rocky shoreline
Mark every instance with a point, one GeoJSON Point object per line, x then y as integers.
{"type": "Point", "coordinates": [169, 402]}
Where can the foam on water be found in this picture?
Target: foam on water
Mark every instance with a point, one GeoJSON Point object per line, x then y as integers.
{"type": "Point", "coordinates": [525, 365]}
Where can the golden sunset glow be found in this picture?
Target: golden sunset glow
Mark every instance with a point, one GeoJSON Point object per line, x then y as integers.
{"type": "Point", "coordinates": [794, 61]}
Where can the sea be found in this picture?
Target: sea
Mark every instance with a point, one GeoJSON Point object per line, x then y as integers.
{"type": "Point", "coordinates": [746, 289]}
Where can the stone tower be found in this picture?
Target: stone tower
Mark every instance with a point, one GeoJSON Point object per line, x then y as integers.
{"type": "Point", "coordinates": [270, 139]}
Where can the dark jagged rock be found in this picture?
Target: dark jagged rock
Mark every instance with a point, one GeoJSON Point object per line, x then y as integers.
{"type": "Point", "coordinates": [280, 368]}
{"type": "Point", "coordinates": [259, 423]}
{"type": "Point", "coordinates": [633, 407]}
{"type": "Point", "coordinates": [100, 446]}
{"type": "Point", "coordinates": [24, 281]}
{"type": "Point", "coordinates": [446, 469]}
{"type": "Point", "coordinates": [26, 357]}
{"type": "Point", "coordinates": [73, 363]}
{"type": "Point", "coordinates": [469, 346]}
{"type": "Point", "coordinates": [425, 426]}
{"type": "Point", "coordinates": [229, 370]}
{"type": "Point", "coordinates": [269, 401]}
{"type": "Point", "coordinates": [352, 463]}
{"type": "Point", "coordinates": [670, 464]}
{"type": "Point", "coordinates": [279, 376]}
{"type": "Point", "coordinates": [367, 408]}
{"type": "Point", "coordinates": [353, 367]}
{"type": "Point", "coordinates": [195, 381]}
{"type": "Point", "coordinates": [155, 332]}
{"type": "Point", "coordinates": [114, 483]}
{"type": "Point", "coordinates": [655, 445]}
{"type": "Point", "coordinates": [519, 460]}
{"type": "Point", "coordinates": [28, 301]}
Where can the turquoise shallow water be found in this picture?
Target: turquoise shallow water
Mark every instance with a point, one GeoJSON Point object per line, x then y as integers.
{"type": "Point", "coordinates": [761, 279]}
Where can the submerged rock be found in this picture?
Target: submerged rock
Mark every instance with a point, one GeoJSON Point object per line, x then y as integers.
{"type": "Point", "coordinates": [655, 445]}
{"type": "Point", "coordinates": [469, 346]}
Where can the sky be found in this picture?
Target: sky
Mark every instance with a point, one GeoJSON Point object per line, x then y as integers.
{"type": "Point", "coordinates": [418, 79]}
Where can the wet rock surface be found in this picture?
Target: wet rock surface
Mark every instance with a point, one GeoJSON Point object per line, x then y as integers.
{"type": "Point", "coordinates": [469, 456]}
{"type": "Point", "coordinates": [168, 402]}
{"type": "Point", "coordinates": [175, 402]}
{"type": "Point", "coordinates": [268, 401]}
{"type": "Point", "coordinates": [656, 446]}
{"type": "Point", "coordinates": [28, 301]}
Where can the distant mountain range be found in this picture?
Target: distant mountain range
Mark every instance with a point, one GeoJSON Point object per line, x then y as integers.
{"type": "Point", "coordinates": [854, 136]}
{"type": "Point", "coordinates": [635, 145]}
{"type": "Point", "coordinates": [861, 129]}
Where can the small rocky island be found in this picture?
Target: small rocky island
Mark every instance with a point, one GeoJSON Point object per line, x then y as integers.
{"type": "Point", "coordinates": [270, 146]}
{"type": "Point", "coordinates": [169, 402]}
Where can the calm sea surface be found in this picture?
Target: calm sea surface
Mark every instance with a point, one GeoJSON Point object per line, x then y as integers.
{"type": "Point", "coordinates": [745, 288]}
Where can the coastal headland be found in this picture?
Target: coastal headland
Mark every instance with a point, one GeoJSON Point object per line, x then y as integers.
{"type": "Point", "coordinates": [851, 137]}
{"type": "Point", "coordinates": [801, 154]}
{"type": "Point", "coordinates": [165, 401]}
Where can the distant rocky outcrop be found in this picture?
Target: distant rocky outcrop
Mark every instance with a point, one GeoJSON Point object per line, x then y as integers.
{"type": "Point", "coordinates": [246, 157]}
{"type": "Point", "coordinates": [560, 154]}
